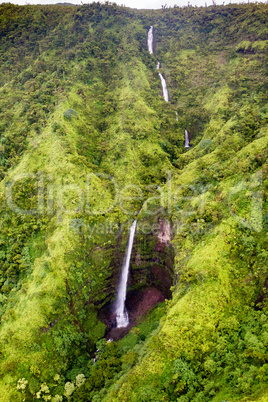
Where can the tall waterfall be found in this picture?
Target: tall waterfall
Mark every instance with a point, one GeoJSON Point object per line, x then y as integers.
{"type": "Point", "coordinates": [121, 312]}
{"type": "Point", "coordinates": [163, 82]}
{"type": "Point", "coordinates": [164, 87]}
{"type": "Point", "coordinates": [186, 138]}
{"type": "Point", "coordinates": [150, 48]}
{"type": "Point", "coordinates": [150, 40]}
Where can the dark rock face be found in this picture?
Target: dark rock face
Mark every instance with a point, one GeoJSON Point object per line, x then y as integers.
{"type": "Point", "coordinates": [140, 302]}
{"type": "Point", "coordinates": [150, 277]}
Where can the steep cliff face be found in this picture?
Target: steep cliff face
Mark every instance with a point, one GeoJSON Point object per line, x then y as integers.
{"type": "Point", "coordinates": [150, 276]}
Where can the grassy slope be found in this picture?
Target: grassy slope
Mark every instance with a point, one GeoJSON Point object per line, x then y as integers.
{"type": "Point", "coordinates": [66, 152]}
{"type": "Point", "coordinates": [221, 284]}
{"type": "Point", "coordinates": [124, 129]}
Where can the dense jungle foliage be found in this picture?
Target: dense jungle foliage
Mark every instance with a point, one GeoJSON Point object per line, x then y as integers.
{"type": "Point", "coordinates": [87, 143]}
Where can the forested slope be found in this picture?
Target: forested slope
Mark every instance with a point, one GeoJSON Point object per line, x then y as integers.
{"type": "Point", "coordinates": [87, 144]}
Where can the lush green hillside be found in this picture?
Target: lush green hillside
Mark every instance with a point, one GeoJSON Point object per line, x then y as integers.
{"type": "Point", "coordinates": [87, 144]}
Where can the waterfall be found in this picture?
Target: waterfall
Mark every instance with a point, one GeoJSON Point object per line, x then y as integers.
{"type": "Point", "coordinates": [163, 82]}
{"type": "Point", "coordinates": [164, 87]}
{"type": "Point", "coordinates": [150, 40]}
{"type": "Point", "coordinates": [121, 312]}
{"type": "Point", "coordinates": [186, 137]}
{"type": "Point", "coordinates": [150, 48]}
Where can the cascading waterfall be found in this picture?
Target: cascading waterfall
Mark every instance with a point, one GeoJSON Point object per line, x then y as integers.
{"type": "Point", "coordinates": [164, 84]}
{"type": "Point", "coordinates": [186, 138]}
{"type": "Point", "coordinates": [122, 320]}
{"type": "Point", "coordinates": [150, 40]}
{"type": "Point", "coordinates": [163, 81]}
{"type": "Point", "coordinates": [164, 87]}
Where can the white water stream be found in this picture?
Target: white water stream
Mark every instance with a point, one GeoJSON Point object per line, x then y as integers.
{"type": "Point", "coordinates": [186, 137]}
{"type": "Point", "coordinates": [164, 84]}
{"type": "Point", "coordinates": [150, 40]}
{"type": "Point", "coordinates": [122, 320]}
{"type": "Point", "coordinates": [164, 87]}
{"type": "Point", "coordinates": [150, 48]}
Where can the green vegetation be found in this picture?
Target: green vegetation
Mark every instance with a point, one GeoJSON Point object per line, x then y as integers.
{"type": "Point", "coordinates": [87, 143]}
